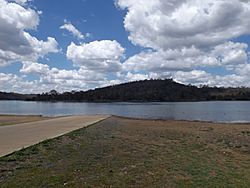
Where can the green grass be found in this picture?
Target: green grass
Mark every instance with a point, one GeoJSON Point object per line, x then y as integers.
{"type": "Point", "coordinates": [2, 124]}
{"type": "Point", "coordinates": [110, 153]}
{"type": "Point", "coordinates": [6, 124]}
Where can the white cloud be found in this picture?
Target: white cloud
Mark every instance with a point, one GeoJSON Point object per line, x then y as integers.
{"type": "Point", "coordinates": [186, 37]}
{"type": "Point", "coordinates": [137, 77]}
{"type": "Point", "coordinates": [14, 83]}
{"type": "Point", "coordinates": [162, 24]}
{"type": "Point", "coordinates": [226, 55]}
{"type": "Point", "coordinates": [63, 80]}
{"type": "Point", "coordinates": [170, 60]}
{"type": "Point", "coordinates": [72, 29]}
{"type": "Point", "coordinates": [199, 77]}
{"type": "Point", "coordinates": [34, 68]}
{"type": "Point", "coordinates": [195, 77]}
{"type": "Point", "coordinates": [22, 2]}
{"type": "Point", "coordinates": [16, 44]}
{"type": "Point", "coordinates": [243, 69]}
{"type": "Point", "coordinates": [100, 56]}
{"type": "Point", "coordinates": [94, 60]}
{"type": "Point", "coordinates": [231, 54]}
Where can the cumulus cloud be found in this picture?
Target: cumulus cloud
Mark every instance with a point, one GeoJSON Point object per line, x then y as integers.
{"type": "Point", "coordinates": [226, 55]}
{"type": "Point", "coordinates": [34, 68]}
{"type": "Point", "coordinates": [63, 80]}
{"type": "Point", "coordinates": [231, 54]}
{"type": "Point", "coordinates": [94, 61]}
{"type": "Point", "coordinates": [187, 37]}
{"type": "Point", "coordinates": [170, 24]}
{"type": "Point", "coordinates": [100, 56]}
{"type": "Point", "coordinates": [170, 60]}
{"type": "Point", "coordinates": [16, 44]}
{"type": "Point", "coordinates": [12, 82]}
{"type": "Point", "coordinates": [73, 30]}
{"type": "Point", "coordinates": [200, 77]}
{"type": "Point", "coordinates": [59, 81]}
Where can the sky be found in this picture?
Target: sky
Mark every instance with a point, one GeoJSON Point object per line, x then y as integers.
{"type": "Point", "coordinates": [84, 44]}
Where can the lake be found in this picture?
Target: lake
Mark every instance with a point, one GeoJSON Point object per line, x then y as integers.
{"type": "Point", "coordinates": [202, 111]}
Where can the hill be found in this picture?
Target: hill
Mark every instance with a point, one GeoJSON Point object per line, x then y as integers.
{"type": "Point", "coordinates": [139, 91]}
{"type": "Point", "coordinates": [149, 91]}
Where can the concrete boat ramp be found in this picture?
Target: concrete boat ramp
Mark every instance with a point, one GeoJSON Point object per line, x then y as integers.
{"type": "Point", "coordinates": [16, 137]}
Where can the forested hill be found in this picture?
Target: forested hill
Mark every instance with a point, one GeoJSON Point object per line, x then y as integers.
{"type": "Point", "coordinates": [140, 91]}
{"type": "Point", "coordinates": [149, 91]}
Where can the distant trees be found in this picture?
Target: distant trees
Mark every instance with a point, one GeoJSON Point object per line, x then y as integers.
{"type": "Point", "coordinates": [150, 91]}
{"type": "Point", "coordinates": [141, 91]}
{"type": "Point", "coordinates": [53, 93]}
{"type": "Point", "coordinates": [16, 96]}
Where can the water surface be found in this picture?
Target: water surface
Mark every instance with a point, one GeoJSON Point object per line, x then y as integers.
{"type": "Point", "coordinates": [202, 111]}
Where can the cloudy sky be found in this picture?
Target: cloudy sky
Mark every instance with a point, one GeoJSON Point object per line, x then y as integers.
{"type": "Point", "coordinates": [83, 44]}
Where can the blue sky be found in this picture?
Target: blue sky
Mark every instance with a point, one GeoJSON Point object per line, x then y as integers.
{"type": "Point", "coordinates": [88, 16]}
{"type": "Point", "coordinates": [102, 19]}
{"type": "Point", "coordinates": [84, 44]}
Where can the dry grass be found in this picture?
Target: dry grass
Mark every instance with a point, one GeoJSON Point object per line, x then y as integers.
{"type": "Point", "coordinates": [120, 152]}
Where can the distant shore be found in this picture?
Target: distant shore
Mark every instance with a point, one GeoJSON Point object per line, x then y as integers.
{"type": "Point", "coordinates": [11, 119]}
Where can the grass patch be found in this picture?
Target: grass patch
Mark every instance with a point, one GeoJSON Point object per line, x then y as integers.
{"type": "Point", "coordinates": [246, 133]}
{"type": "Point", "coordinates": [131, 153]}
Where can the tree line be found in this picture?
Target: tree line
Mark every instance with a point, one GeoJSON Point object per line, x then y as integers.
{"type": "Point", "coordinates": [149, 91]}
{"type": "Point", "coordinates": [139, 91]}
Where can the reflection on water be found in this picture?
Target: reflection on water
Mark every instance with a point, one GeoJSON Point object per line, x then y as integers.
{"type": "Point", "coordinates": [237, 111]}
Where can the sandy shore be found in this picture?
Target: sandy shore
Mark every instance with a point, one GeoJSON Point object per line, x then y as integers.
{"type": "Point", "coordinates": [15, 119]}
{"type": "Point", "coordinates": [16, 137]}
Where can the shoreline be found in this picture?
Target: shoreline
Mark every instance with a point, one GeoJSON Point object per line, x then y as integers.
{"type": "Point", "coordinates": [237, 122]}
{"type": "Point", "coordinates": [180, 120]}
{"type": "Point", "coordinates": [120, 101]}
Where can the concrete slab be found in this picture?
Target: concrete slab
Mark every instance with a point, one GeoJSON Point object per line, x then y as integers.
{"type": "Point", "coordinates": [16, 137]}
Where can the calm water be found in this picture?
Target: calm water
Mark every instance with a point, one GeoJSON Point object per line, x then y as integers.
{"type": "Point", "coordinates": [204, 111]}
